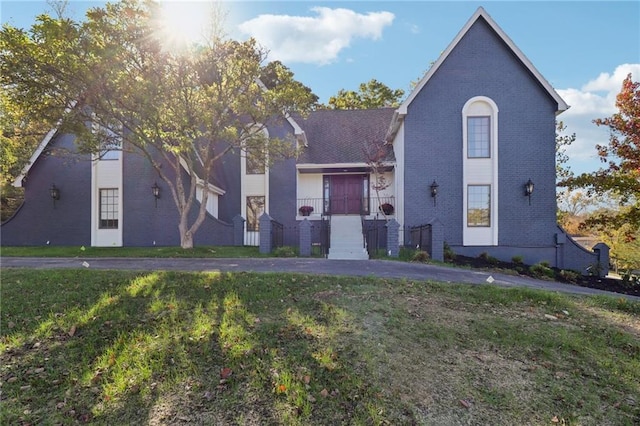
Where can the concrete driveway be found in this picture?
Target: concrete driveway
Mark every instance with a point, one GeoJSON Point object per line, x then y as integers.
{"type": "Point", "coordinates": [368, 268]}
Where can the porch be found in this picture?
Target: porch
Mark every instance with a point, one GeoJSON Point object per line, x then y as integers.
{"type": "Point", "coordinates": [356, 193]}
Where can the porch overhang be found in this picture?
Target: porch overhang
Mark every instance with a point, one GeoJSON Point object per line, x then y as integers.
{"type": "Point", "coordinates": [340, 168]}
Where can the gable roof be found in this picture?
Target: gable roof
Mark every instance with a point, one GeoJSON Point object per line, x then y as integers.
{"type": "Point", "coordinates": [480, 13]}
{"type": "Point", "coordinates": [341, 136]}
{"type": "Point", "coordinates": [19, 181]}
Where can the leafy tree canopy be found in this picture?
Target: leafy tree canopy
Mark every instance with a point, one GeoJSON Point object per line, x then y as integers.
{"type": "Point", "coordinates": [621, 177]}
{"type": "Point", "coordinates": [370, 95]}
{"type": "Point", "coordinates": [184, 108]}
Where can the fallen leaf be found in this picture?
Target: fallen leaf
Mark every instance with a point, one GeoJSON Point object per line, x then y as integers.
{"type": "Point", "coordinates": [225, 373]}
{"type": "Point", "coordinates": [550, 317]}
{"type": "Point", "coordinates": [324, 393]}
{"type": "Point", "coordinates": [310, 398]}
{"type": "Point", "coordinates": [282, 388]}
{"type": "Point", "coordinates": [72, 331]}
{"type": "Point", "coordinates": [306, 379]}
{"type": "Point", "coordinates": [465, 403]}
{"type": "Point", "coordinates": [555, 419]}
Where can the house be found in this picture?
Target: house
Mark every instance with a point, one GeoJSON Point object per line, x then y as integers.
{"type": "Point", "coordinates": [471, 151]}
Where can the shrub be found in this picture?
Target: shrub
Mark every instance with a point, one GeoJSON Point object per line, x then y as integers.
{"type": "Point", "coordinates": [518, 260]}
{"type": "Point", "coordinates": [420, 256]}
{"type": "Point", "coordinates": [285, 251]}
{"type": "Point", "coordinates": [569, 276]}
{"type": "Point", "coordinates": [489, 259]}
{"type": "Point", "coordinates": [449, 254]}
{"type": "Point", "coordinates": [540, 270]}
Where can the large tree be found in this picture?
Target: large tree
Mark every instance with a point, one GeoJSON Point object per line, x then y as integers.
{"type": "Point", "coordinates": [181, 107]}
{"type": "Point", "coordinates": [370, 95]}
{"type": "Point", "coordinates": [621, 178]}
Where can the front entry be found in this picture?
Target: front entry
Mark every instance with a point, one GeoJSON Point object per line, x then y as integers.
{"type": "Point", "coordinates": [347, 194]}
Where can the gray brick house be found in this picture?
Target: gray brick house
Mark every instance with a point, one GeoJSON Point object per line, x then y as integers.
{"type": "Point", "coordinates": [459, 153]}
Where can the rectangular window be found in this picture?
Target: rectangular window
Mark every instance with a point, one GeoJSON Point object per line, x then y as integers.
{"type": "Point", "coordinates": [108, 208]}
{"type": "Point", "coordinates": [256, 163]}
{"type": "Point", "coordinates": [326, 193]}
{"type": "Point", "coordinates": [478, 137]}
{"type": "Point", "coordinates": [255, 207]}
{"type": "Point", "coordinates": [479, 205]}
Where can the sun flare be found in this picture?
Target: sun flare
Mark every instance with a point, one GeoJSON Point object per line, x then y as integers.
{"type": "Point", "coordinates": [182, 24]}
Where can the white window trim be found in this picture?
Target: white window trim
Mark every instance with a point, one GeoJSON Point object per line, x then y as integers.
{"type": "Point", "coordinates": [480, 171]}
{"type": "Point", "coordinates": [249, 190]}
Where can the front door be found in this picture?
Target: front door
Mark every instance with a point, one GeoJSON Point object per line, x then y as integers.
{"type": "Point", "coordinates": [346, 195]}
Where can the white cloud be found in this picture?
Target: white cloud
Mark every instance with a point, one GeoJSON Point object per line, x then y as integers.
{"type": "Point", "coordinates": [317, 39]}
{"type": "Point", "coordinates": [596, 99]}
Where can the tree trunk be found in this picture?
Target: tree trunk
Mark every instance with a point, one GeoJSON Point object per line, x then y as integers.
{"type": "Point", "coordinates": [186, 236]}
{"type": "Point", "coordinates": [186, 240]}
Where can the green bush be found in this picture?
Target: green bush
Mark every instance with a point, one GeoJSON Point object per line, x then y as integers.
{"type": "Point", "coordinates": [420, 256]}
{"type": "Point", "coordinates": [541, 270]}
{"type": "Point", "coordinates": [489, 259]}
{"type": "Point", "coordinates": [569, 276]}
{"type": "Point", "coordinates": [449, 254]}
{"type": "Point", "coordinates": [285, 251]}
{"type": "Point", "coordinates": [519, 260]}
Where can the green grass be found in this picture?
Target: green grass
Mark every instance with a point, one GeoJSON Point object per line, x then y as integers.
{"type": "Point", "coordinates": [157, 252]}
{"type": "Point", "coordinates": [113, 347]}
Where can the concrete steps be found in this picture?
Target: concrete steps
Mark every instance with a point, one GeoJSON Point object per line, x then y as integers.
{"type": "Point", "coordinates": [346, 238]}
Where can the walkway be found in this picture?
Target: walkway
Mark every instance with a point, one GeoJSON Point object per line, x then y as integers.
{"type": "Point", "coordinates": [369, 268]}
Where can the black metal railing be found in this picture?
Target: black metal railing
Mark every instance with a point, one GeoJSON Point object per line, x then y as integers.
{"type": "Point", "coordinates": [386, 205]}
{"type": "Point", "coordinates": [312, 206]}
{"type": "Point", "coordinates": [321, 206]}
{"type": "Point", "coordinates": [418, 237]}
{"type": "Point", "coordinates": [375, 235]}
{"type": "Point", "coordinates": [277, 234]}
{"type": "Point", "coordinates": [325, 235]}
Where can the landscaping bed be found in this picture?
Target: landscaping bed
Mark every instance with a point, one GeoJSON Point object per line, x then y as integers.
{"type": "Point", "coordinates": [540, 271]}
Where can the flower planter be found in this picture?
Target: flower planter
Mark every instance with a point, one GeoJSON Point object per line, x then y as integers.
{"type": "Point", "coordinates": [387, 209]}
{"type": "Point", "coordinates": [305, 210]}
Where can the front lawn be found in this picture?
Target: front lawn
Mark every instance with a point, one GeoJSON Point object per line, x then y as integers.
{"type": "Point", "coordinates": [109, 347]}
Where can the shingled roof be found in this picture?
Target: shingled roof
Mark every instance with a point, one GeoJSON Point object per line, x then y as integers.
{"type": "Point", "coordinates": [340, 136]}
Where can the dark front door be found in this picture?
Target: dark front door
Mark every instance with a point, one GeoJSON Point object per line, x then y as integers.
{"type": "Point", "coordinates": [346, 194]}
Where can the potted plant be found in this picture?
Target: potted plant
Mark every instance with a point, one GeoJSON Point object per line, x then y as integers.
{"type": "Point", "coordinates": [387, 209]}
{"type": "Point", "coordinates": [305, 210]}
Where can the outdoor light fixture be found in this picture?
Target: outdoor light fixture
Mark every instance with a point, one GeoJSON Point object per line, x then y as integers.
{"type": "Point", "coordinates": [55, 194]}
{"type": "Point", "coordinates": [434, 191]}
{"type": "Point", "coordinates": [155, 189]}
{"type": "Point", "coordinates": [528, 190]}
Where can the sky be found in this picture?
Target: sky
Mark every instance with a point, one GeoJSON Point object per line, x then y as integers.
{"type": "Point", "coordinates": [583, 48]}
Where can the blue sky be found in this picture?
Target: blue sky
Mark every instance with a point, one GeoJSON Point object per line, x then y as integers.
{"type": "Point", "coordinates": [583, 48]}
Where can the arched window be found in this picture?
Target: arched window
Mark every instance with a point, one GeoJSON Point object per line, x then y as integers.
{"type": "Point", "coordinates": [480, 171]}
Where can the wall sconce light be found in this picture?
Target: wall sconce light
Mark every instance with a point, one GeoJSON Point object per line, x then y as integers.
{"type": "Point", "coordinates": [55, 194]}
{"type": "Point", "coordinates": [155, 189]}
{"type": "Point", "coordinates": [434, 191]}
{"type": "Point", "coordinates": [528, 190]}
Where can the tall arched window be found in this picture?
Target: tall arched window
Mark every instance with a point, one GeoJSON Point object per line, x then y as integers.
{"type": "Point", "coordinates": [480, 172]}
